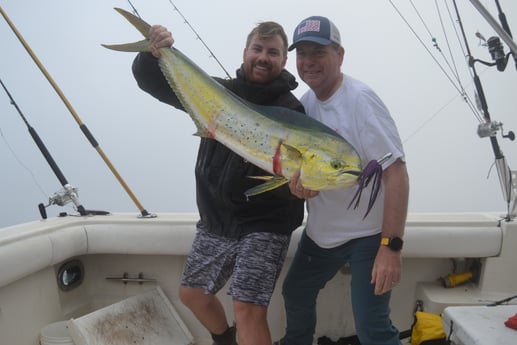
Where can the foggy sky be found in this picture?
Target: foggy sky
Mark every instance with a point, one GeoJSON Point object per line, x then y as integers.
{"type": "Point", "coordinates": [151, 144]}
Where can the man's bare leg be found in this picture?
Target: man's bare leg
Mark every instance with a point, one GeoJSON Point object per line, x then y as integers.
{"type": "Point", "coordinates": [252, 327]}
{"type": "Point", "coordinates": [207, 309]}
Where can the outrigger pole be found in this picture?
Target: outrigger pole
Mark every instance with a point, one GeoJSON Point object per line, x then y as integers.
{"type": "Point", "coordinates": [82, 126]}
{"type": "Point", "coordinates": [69, 193]}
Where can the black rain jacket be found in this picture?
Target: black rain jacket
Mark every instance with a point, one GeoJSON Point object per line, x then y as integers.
{"type": "Point", "coordinates": [222, 175]}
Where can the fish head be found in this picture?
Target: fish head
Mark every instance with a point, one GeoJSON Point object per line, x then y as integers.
{"type": "Point", "coordinates": [330, 169]}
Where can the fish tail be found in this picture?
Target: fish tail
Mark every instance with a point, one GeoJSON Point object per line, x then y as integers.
{"type": "Point", "coordinates": [138, 23]}
{"type": "Point", "coordinates": [140, 46]}
{"type": "Point", "coordinates": [141, 26]}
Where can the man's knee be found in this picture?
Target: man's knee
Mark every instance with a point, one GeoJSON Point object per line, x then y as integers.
{"type": "Point", "coordinates": [249, 311]}
{"type": "Point", "coordinates": [287, 287]}
{"type": "Point", "coordinates": [189, 296]}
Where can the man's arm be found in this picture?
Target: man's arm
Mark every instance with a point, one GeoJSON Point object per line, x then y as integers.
{"type": "Point", "coordinates": [387, 269]}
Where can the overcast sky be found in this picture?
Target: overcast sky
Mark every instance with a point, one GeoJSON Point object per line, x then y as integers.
{"type": "Point", "coordinates": [151, 144]}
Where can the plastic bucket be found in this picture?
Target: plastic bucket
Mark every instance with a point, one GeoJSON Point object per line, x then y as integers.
{"type": "Point", "coordinates": [56, 333]}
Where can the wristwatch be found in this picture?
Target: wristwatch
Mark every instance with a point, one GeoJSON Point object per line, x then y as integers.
{"type": "Point", "coordinates": [393, 243]}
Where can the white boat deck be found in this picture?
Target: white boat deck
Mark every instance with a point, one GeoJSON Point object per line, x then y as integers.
{"type": "Point", "coordinates": [44, 243]}
{"type": "Point", "coordinates": [31, 255]}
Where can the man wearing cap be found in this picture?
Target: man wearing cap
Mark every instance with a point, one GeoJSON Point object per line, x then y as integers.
{"type": "Point", "coordinates": [336, 235]}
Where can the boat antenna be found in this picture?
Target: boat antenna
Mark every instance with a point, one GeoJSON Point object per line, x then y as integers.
{"type": "Point", "coordinates": [489, 128]}
{"type": "Point", "coordinates": [68, 193]}
{"type": "Point", "coordinates": [212, 55]}
{"type": "Point", "coordinates": [72, 111]}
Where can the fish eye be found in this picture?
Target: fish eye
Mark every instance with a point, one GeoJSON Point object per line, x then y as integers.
{"type": "Point", "coordinates": [337, 164]}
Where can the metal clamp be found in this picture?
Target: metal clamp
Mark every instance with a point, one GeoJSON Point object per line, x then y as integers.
{"type": "Point", "coordinates": [125, 278]}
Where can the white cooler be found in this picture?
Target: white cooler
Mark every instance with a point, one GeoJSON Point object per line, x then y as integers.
{"type": "Point", "coordinates": [480, 325]}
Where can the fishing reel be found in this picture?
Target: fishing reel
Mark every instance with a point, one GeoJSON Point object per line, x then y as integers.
{"type": "Point", "coordinates": [489, 129]}
{"type": "Point", "coordinates": [64, 196]}
{"type": "Point", "coordinates": [496, 50]}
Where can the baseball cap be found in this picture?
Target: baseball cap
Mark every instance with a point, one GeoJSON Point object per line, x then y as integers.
{"type": "Point", "coordinates": [316, 29]}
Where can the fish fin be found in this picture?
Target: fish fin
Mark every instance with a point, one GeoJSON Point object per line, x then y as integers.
{"type": "Point", "coordinates": [140, 46]}
{"type": "Point", "coordinates": [263, 178]}
{"type": "Point", "coordinates": [274, 182]}
{"type": "Point", "coordinates": [201, 133]}
{"type": "Point", "coordinates": [292, 152]}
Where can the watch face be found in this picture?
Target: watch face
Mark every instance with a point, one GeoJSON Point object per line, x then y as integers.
{"type": "Point", "coordinates": [396, 243]}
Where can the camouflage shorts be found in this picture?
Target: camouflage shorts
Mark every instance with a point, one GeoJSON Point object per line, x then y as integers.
{"type": "Point", "coordinates": [255, 261]}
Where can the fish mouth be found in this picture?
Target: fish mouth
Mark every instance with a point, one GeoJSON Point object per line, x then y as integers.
{"type": "Point", "coordinates": [351, 172]}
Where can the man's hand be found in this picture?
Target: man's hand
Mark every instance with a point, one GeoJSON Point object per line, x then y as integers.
{"type": "Point", "coordinates": [387, 270]}
{"type": "Point", "coordinates": [159, 37]}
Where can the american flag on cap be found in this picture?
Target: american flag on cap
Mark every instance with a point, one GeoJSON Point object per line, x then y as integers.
{"type": "Point", "coordinates": [316, 29]}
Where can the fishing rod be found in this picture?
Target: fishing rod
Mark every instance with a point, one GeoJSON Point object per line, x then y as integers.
{"type": "Point", "coordinates": [506, 27]}
{"type": "Point", "coordinates": [212, 55]}
{"type": "Point", "coordinates": [68, 193]}
{"type": "Point", "coordinates": [489, 129]}
{"type": "Point", "coordinates": [72, 111]}
{"type": "Point", "coordinates": [199, 38]}
{"type": "Point", "coordinates": [134, 9]}
{"type": "Point", "coordinates": [454, 78]}
{"type": "Point", "coordinates": [503, 30]}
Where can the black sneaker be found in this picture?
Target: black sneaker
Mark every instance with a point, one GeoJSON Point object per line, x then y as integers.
{"type": "Point", "coordinates": [227, 338]}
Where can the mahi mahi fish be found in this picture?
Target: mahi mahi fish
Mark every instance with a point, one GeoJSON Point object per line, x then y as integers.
{"type": "Point", "coordinates": [279, 140]}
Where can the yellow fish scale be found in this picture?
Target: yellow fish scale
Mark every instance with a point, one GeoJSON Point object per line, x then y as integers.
{"type": "Point", "coordinates": [246, 132]}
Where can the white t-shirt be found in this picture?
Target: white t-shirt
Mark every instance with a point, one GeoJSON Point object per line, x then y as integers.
{"type": "Point", "coordinates": [359, 115]}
